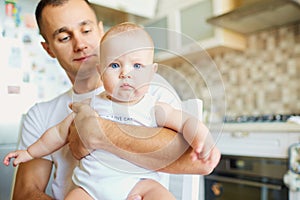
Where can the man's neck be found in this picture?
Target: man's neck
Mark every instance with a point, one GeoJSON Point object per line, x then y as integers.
{"type": "Point", "coordinates": [84, 86]}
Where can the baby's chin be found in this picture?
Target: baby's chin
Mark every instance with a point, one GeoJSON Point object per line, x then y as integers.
{"type": "Point", "coordinates": [128, 100]}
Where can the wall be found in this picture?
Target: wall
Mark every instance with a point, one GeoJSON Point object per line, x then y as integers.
{"type": "Point", "coordinates": [263, 79]}
{"type": "Point", "coordinates": [33, 69]}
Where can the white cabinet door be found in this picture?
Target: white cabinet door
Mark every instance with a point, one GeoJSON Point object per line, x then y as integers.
{"type": "Point", "coordinates": [157, 29]}
{"type": "Point", "coordinates": [193, 22]}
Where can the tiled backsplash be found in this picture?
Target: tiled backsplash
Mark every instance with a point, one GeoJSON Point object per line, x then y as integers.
{"type": "Point", "coordinates": [263, 79]}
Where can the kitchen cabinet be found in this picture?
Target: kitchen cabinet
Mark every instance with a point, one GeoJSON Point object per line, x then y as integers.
{"type": "Point", "coordinates": [160, 37]}
{"type": "Point", "coordinates": [253, 140]}
{"type": "Point", "coordinates": [145, 8]}
{"type": "Point", "coordinates": [183, 30]}
{"type": "Point", "coordinates": [255, 15]}
{"type": "Point", "coordinates": [256, 139]}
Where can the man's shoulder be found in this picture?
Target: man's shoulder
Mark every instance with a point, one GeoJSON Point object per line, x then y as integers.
{"type": "Point", "coordinates": [66, 96]}
{"type": "Point", "coordinates": [45, 114]}
{"type": "Point", "coordinates": [53, 104]}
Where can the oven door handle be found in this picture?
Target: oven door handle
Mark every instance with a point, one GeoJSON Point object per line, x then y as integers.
{"type": "Point", "coordinates": [244, 182]}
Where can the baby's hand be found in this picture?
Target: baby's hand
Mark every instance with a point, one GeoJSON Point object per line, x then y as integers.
{"type": "Point", "coordinates": [134, 197]}
{"type": "Point", "coordinates": [197, 153]}
{"type": "Point", "coordinates": [202, 147]}
{"type": "Point", "coordinates": [19, 155]}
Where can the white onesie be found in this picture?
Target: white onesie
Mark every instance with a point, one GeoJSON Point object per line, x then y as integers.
{"type": "Point", "coordinates": [104, 175]}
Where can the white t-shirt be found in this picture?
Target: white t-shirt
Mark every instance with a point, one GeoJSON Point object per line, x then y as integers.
{"type": "Point", "coordinates": [47, 114]}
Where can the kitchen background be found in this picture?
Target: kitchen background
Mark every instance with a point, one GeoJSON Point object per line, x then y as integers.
{"type": "Point", "coordinates": [262, 79]}
{"type": "Point", "coordinates": [233, 72]}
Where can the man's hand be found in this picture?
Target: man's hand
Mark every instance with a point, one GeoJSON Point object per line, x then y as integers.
{"type": "Point", "coordinates": [81, 129]}
{"type": "Point", "coordinates": [76, 146]}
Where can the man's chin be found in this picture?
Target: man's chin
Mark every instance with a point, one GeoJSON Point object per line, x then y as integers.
{"type": "Point", "coordinates": [84, 73]}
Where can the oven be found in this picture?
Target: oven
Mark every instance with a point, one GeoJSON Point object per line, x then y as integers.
{"type": "Point", "coordinates": [247, 178]}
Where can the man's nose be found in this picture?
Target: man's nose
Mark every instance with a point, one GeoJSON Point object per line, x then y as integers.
{"type": "Point", "coordinates": [79, 42]}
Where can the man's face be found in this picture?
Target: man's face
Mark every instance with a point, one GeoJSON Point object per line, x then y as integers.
{"type": "Point", "coordinates": [73, 36]}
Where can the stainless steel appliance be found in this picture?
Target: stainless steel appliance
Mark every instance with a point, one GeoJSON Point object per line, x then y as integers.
{"type": "Point", "coordinates": [253, 178]}
{"type": "Point", "coordinates": [292, 177]}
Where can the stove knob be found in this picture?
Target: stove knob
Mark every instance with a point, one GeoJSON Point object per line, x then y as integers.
{"type": "Point", "coordinates": [217, 189]}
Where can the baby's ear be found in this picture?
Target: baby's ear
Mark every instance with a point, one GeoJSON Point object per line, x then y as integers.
{"type": "Point", "coordinates": [86, 101]}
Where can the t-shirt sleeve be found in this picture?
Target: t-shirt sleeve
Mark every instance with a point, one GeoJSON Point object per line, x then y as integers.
{"type": "Point", "coordinates": [164, 92]}
{"type": "Point", "coordinates": [33, 127]}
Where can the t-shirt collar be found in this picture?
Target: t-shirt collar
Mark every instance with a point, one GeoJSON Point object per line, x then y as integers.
{"type": "Point", "coordinates": [79, 97]}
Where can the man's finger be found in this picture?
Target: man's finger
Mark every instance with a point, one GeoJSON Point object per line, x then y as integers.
{"type": "Point", "coordinates": [86, 101]}
{"type": "Point", "coordinates": [76, 106]}
{"type": "Point", "coordinates": [80, 107]}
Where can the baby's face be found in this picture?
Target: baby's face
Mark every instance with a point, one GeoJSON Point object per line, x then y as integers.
{"type": "Point", "coordinates": [126, 67]}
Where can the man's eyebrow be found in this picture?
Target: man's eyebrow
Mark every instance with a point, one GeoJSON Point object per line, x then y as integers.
{"type": "Point", "coordinates": [65, 29]}
{"type": "Point", "coordinates": [85, 22]}
{"type": "Point", "coordinates": [58, 31]}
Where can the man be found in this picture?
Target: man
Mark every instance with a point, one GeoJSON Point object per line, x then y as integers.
{"type": "Point", "coordinates": [72, 36]}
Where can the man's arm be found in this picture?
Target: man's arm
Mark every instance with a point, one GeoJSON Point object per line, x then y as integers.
{"type": "Point", "coordinates": [31, 180]}
{"type": "Point", "coordinates": [165, 151]}
{"type": "Point", "coordinates": [153, 148]}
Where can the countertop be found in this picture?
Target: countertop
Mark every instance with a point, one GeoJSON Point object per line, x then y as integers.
{"type": "Point", "coordinates": [256, 127]}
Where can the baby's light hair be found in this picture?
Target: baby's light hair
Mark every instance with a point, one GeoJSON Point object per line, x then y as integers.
{"type": "Point", "coordinates": [122, 28]}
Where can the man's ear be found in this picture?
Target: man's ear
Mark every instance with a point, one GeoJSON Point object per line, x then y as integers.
{"type": "Point", "coordinates": [45, 45]}
{"type": "Point", "coordinates": [98, 66]}
{"type": "Point", "coordinates": [101, 29]}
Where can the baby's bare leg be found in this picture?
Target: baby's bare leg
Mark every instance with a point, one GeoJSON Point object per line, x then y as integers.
{"type": "Point", "coordinates": [150, 189]}
{"type": "Point", "coordinates": [78, 194]}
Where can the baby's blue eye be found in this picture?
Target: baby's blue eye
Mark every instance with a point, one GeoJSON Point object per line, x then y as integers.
{"type": "Point", "coordinates": [114, 65]}
{"type": "Point", "coordinates": [137, 66]}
